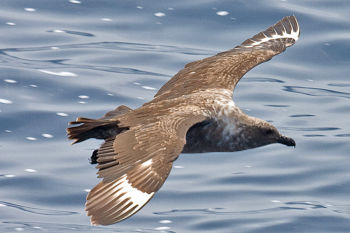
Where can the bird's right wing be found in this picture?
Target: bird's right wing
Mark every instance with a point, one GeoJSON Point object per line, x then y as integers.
{"type": "Point", "coordinates": [225, 69]}
{"type": "Point", "coordinates": [111, 202]}
{"type": "Point", "coordinates": [135, 163]}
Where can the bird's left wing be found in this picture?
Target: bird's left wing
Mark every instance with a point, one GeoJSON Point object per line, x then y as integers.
{"type": "Point", "coordinates": [135, 163]}
{"type": "Point", "coordinates": [225, 69]}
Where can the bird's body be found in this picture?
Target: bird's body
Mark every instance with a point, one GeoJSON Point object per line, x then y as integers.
{"type": "Point", "coordinates": [192, 113]}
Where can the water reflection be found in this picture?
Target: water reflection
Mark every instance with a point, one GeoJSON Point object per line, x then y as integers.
{"type": "Point", "coordinates": [30, 9]}
{"type": "Point", "coordinates": [61, 73]}
{"type": "Point", "coordinates": [5, 101]}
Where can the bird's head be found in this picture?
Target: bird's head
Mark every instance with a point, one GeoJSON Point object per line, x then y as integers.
{"type": "Point", "coordinates": [258, 132]}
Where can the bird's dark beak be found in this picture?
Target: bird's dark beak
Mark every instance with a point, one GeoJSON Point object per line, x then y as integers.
{"type": "Point", "coordinates": [286, 141]}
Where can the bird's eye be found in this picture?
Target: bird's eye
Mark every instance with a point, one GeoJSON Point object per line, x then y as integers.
{"type": "Point", "coordinates": [269, 132]}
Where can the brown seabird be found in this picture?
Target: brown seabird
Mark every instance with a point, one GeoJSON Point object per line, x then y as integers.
{"type": "Point", "coordinates": [192, 113]}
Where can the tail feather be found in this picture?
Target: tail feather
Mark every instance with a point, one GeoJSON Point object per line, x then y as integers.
{"type": "Point", "coordinates": [102, 128]}
{"type": "Point", "coordinates": [90, 128]}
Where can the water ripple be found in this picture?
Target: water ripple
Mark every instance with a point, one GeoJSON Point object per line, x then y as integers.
{"type": "Point", "coordinates": [313, 91]}
{"type": "Point", "coordinates": [36, 210]}
{"type": "Point", "coordinates": [292, 205]}
{"type": "Point", "coordinates": [127, 46]}
{"type": "Point", "coordinates": [263, 80]}
{"type": "Point", "coordinates": [109, 53]}
{"type": "Point", "coordinates": [302, 115]}
{"type": "Point", "coordinates": [306, 129]}
{"type": "Point", "coordinates": [74, 33]}
{"type": "Point", "coordinates": [7, 61]}
{"type": "Point", "coordinates": [321, 13]}
{"type": "Point", "coordinates": [11, 226]}
{"type": "Point", "coordinates": [343, 135]}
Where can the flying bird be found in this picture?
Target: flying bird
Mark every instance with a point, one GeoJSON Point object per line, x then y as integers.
{"type": "Point", "coordinates": [192, 113]}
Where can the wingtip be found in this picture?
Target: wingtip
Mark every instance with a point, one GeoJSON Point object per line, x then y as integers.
{"type": "Point", "coordinates": [292, 18]}
{"type": "Point", "coordinates": [74, 142]}
{"type": "Point", "coordinates": [297, 22]}
{"type": "Point", "coordinates": [286, 29]}
{"type": "Point", "coordinates": [286, 22]}
{"type": "Point", "coordinates": [109, 203]}
{"type": "Point", "coordinates": [93, 222]}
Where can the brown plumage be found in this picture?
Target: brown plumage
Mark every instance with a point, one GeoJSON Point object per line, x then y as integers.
{"type": "Point", "coordinates": [192, 112]}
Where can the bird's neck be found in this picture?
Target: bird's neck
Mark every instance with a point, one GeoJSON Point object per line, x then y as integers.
{"type": "Point", "coordinates": [223, 133]}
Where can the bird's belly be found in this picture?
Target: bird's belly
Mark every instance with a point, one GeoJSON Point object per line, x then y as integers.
{"type": "Point", "coordinates": [212, 137]}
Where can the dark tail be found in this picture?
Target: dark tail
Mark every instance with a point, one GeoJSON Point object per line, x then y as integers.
{"type": "Point", "coordinates": [91, 128]}
{"type": "Point", "coordinates": [102, 128]}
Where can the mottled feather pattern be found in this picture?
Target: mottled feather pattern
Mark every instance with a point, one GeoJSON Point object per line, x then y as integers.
{"type": "Point", "coordinates": [223, 70]}
{"type": "Point", "coordinates": [192, 113]}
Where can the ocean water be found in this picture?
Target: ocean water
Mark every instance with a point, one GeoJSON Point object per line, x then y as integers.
{"type": "Point", "coordinates": [62, 59]}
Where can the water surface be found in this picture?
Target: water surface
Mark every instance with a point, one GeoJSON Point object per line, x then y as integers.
{"type": "Point", "coordinates": [63, 59]}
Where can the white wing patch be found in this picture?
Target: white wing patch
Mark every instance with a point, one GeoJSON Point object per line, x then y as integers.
{"type": "Point", "coordinates": [293, 35]}
{"type": "Point", "coordinates": [287, 28]}
{"type": "Point", "coordinates": [115, 199]}
{"type": "Point", "coordinates": [147, 163]}
{"type": "Point", "coordinates": [136, 196]}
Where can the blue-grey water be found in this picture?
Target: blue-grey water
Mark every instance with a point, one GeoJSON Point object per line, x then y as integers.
{"type": "Point", "coordinates": [62, 59]}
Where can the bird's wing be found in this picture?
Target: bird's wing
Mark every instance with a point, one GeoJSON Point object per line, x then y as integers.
{"type": "Point", "coordinates": [135, 163]}
{"type": "Point", "coordinates": [225, 69]}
